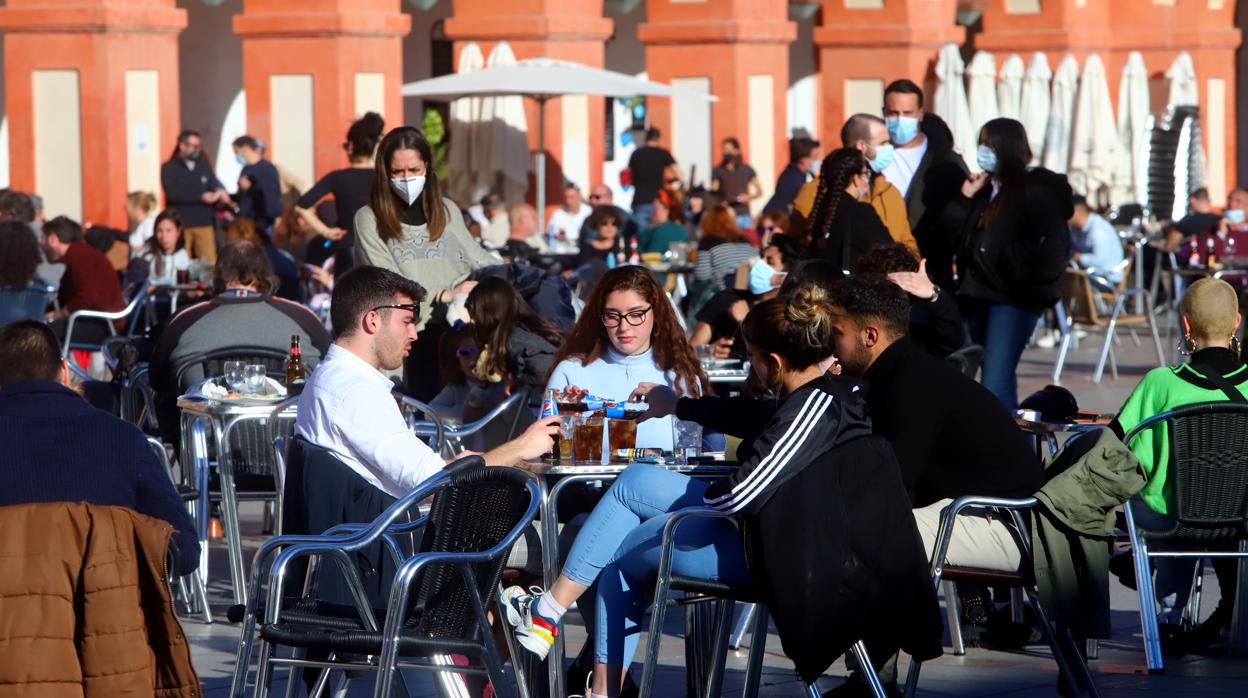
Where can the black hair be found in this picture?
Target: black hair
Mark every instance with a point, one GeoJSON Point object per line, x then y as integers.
{"type": "Point", "coordinates": [19, 254]}
{"type": "Point", "coordinates": [364, 135]}
{"type": "Point", "coordinates": [873, 296]}
{"type": "Point", "coordinates": [1008, 139]}
{"type": "Point", "coordinates": [183, 136]}
{"type": "Point", "coordinates": [817, 270]}
{"type": "Point", "coordinates": [1080, 200]}
{"type": "Point", "coordinates": [16, 206]}
{"type": "Point", "coordinates": [603, 213]}
{"type": "Point", "coordinates": [905, 87]}
{"type": "Point", "coordinates": [839, 169]}
{"type": "Point", "coordinates": [363, 288]}
{"type": "Point", "coordinates": [245, 262]}
{"type": "Point", "coordinates": [886, 258]}
{"type": "Point", "coordinates": [790, 250]}
{"type": "Point", "coordinates": [246, 141]}
{"type": "Point", "coordinates": [801, 148]}
{"type": "Point", "coordinates": [66, 229]}
{"type": "Point", "coordinates": [1201, 193]}
{"type": "Point", "coordinates": [653, 134]}
{"type": "Point", "coordinates": [732, 141]}
{"type": "Point", "coordinates": [28, 349]}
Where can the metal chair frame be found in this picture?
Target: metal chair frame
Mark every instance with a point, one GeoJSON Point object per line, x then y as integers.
{"type": "Point", "coordinates": [136, 300]}
{"type": "Point", "coordinates": [1120, 296]}
{"type": "Point", "coordinates": [452, 437]}
{"type": "Point", "coordinates": [198, 588]}
{"type": "Point", "coordinates": [1066, 654]}
{"type": "Point", "coordinates": [754, 665]}
{"type": "Point", "coordinates": [431, 427]}
{"type": "Point", "coordinates": [279, 440]}
{"type": "Point", "coordinates": [1139, 538]}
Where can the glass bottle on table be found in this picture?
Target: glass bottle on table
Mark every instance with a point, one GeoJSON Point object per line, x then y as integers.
{"type": "Point", "coordinates": [295, 372]}
{"type": "Point", "coordinates": [550, 408]}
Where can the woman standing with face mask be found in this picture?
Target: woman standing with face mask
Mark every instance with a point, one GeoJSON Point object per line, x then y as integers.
{"type": "Point", "coordinates": [1015, 243]}
{"type": "Point", "coordinates": [842, 225]}
{"type": "Point", "coordinates": [408, 227]}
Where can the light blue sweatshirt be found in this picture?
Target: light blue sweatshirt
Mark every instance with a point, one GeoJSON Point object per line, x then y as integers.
{"type": "Point", "coordinates": [614, 377]}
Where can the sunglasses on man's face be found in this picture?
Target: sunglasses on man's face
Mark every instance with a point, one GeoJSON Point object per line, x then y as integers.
{"type": "Point", "coordinates": [414, 307]}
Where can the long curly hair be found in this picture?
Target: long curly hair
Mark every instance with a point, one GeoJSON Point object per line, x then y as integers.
{"type": "Point", "coordinates": [386, 205]}
{"type": "Point", "coordinates": [839, 168]}
{"type": "Point", "coordinates": [588, 340]}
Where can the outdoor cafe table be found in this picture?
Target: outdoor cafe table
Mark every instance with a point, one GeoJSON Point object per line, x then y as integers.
{"type": "Point", "coordinates": [552, 479]}
{"type": "Point", "coordinates": [204, 418]}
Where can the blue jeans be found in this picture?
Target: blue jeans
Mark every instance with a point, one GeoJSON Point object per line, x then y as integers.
{"type": "Point", "coordinates": [620, 545]}
{"type": "Point", "coordinates": [642, 215]}
{"type": "Point", "coordinates": [1003, 330]}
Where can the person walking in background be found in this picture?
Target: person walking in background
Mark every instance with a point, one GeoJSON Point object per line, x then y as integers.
{"type": "Point", "coordinates": [1015, 244]}
{"type": "Point", "coordinates": [648, 165]}
{"type": "Point", "coordinates": [408, 227]}
{"type": "Point", "coordinates": [259, 185]}
{"type": "Point", "coordinates": [349, 189]}
{"type": "Point", "coordinates": [737, 182]}
{"type": "Point", "coordinates": [194, 192]}
{"type": "Point", "coordinates": [926, 170]}
{"type": "Point", "coordinates": [842, 225]}
{"type": "Point", "coordinates": [804, 163]}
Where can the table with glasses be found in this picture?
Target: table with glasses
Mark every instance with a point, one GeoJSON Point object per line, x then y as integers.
{"type": "Point", "coordinates": [205, 419]}
{"type": "Point", "coordinates": [552, 479]}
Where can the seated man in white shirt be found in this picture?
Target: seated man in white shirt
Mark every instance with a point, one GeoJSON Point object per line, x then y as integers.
{"type": "Point", "coordinates": [564, 229]}
{"type": "Point", "coordinates": [346, 406]}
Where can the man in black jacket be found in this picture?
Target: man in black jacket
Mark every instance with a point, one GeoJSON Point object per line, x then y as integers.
{"type": "Point", "coordinates": [259, 185]}
{"type": "Point", "coordinates": [193, 191]}
{"type": "Point", "coordinates": [953, 438]}
{"type": "Point", "coordinates": [935, 322]}
{"type": "Point", "coordinates": [926, 170]}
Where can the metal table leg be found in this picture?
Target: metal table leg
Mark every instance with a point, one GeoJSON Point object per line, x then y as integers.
{"type": "Point", "coordinates": [229, 514]}
{"type": "Point", "coordinates": [1239, 624]}
{"type": "Point", "coordinates": [550, 571]}
{"type": "Point", "coordinates": [195, 454]}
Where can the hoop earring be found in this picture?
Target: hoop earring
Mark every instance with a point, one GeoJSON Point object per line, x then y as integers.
{"type": "Point", "coordinates": [1187, 346]}
{"type": "Point", "coordinates": [1236, 347]}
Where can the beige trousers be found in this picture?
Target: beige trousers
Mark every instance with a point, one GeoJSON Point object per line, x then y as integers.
{"type": "Point", "coordinates": [978, 541]}
{"type": "Point", "coordinates": [200, 242]}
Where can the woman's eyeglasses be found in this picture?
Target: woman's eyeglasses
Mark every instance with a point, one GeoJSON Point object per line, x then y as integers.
{"type": "Point", "coordinates": [466, 351]}
{"type": "Point", "coordinates": [611, 318]}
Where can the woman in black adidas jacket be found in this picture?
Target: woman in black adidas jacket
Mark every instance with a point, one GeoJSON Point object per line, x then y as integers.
{"type": "Point", "coordinates": [619, 544]}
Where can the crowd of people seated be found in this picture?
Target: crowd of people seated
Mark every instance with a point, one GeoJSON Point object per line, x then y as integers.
{"type": "Point", "coordinates": [842, 300]}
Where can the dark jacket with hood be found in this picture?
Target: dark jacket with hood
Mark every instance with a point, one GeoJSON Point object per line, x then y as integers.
{"type": "Point", "coordinates": [854, 229]}
{"type": "Point", "coordinates": [829, 537]}
{"type": "Point", "coordinates": [1017, 255]}
{"type": "Point", "coordinates": [936, 181]}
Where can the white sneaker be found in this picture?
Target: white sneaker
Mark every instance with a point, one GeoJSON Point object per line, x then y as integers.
{"type": "Point", "coordinates": [535, 634]}
{"type": "Point", "coordinates": [1048, 340]}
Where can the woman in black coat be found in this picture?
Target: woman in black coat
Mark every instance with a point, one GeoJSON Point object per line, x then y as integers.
{"type": "Point", "coordinates": [1015, 244]}
{"type": "Point", "coordinates": [842, 226]}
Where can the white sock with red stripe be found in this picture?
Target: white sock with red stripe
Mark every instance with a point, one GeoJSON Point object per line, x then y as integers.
{"type": "Point", "coordinates": [549, 609]}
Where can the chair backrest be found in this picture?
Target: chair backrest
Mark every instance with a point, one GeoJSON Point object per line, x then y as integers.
{"type": "Point", "coordinates": [138, 401]}
{"type": "Point", "coordinates": [968, 359]}
{"type": "Point", "coordinates": [475, 512]}
{"type": "Point", "coordinates": [26, 303]}
{"type": "Point", "coordinates": [1078, 297]}
{"type": "Point", "coordinates": [194, 368]}
{"type": "Point", "coordinates": [1207, 467]}
{"type": "Point", "coordinates": [250, 442]}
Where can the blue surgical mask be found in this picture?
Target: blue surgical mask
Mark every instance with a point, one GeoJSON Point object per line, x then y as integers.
{"type": "Point", "coordinates": [902, 129]}
{"type": "Point", "coordinates": [761, 274]}
{"type": "Point", "coordinates": [238, 157]}
{"type": "Point", "coordinates": [883, 158]}
{"type": "Point", "coordinates": [814, 167]}
{"type": "Point", "coordinates": [1234, 215]}
{"type": "Point", "coordinates": [986, 158]}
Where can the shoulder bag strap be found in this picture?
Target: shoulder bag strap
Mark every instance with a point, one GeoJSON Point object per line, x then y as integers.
{"type": "Point", "coordinates": [1232, 393]}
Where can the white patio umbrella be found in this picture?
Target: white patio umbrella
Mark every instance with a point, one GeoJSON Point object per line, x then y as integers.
{"type": "Point", "coordinates": [1033, 106]}
{"type": "Point", "coordinates": [1061, 111]}
{"type": "Point", "coordinates": [1184, 89]}
{"type": "Point", "coordinates": [465, 123]}
{"type": "Point", "coordinates": [1010, 87]}
{"type": "Point", "coordinates": [950, 101]}
{"type": "Point", "coordinates": [503, 145]}
{"type": "Point", "coordinates": [982, 90]}
{"type": "Point", "coordinates": [1130, 179]}
{"type": "Point", "coordinates": [1094, 145]}
{"type": "Point", "coordinates": [542, 79]}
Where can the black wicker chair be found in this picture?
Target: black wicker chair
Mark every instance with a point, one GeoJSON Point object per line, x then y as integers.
{"type": "Point", "coordinates": [1207, 445]}
{"type": "Point", "coordinates": [968, 359]}
{"type": "Point", "coordinates": [436, 604]}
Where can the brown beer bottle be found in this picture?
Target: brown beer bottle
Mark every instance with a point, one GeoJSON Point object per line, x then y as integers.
{"type": "Point", "coordinates": [295, 373]}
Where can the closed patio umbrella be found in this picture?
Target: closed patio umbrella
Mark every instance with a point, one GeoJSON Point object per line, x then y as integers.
{"type": "Point", "coordinates": [1094, 148]}
{"type": "Point", "coordinates": [503, 148]}
{"type": "Point", "coordinates": [1033, 106]}
{"type": "Point", "coordinates": [1010, 87]}
{"type": "Point", "coordinates": [543, 79]}
{"type": "Point", "coordinates": [1061, 112]}
{"type": "Point", "coordinates": [950, 101]}
{"type": "Point", "coordinates": [1134, 122]}
{"type": "Point", "coordinates": [982, 90]}
{"type": "Point", "coordinates": [465, 121]}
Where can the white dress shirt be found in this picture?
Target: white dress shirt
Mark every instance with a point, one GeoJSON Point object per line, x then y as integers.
{"type": "Point", "coordinates": [346, 407]}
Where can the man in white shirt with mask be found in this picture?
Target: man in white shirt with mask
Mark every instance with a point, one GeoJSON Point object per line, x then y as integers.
{"type": "Point", "coordinates": [346, 406]}
{"type": "Point", "coordinates": [925, 169]}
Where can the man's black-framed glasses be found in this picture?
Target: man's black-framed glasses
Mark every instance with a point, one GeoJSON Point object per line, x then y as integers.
{"type": "Point", "coordinates": [414, 307]}
{"type": "Point", "coordinates": [611, 318]}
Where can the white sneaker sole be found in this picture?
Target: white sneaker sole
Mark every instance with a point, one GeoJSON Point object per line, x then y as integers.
{"type": "Point", "coordinates": [515, 619]}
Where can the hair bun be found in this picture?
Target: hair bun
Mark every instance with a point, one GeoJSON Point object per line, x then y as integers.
{"type": "Point", "coordinates": [373, 123]}
{"type": "Point", "coordinates": [809, 311]}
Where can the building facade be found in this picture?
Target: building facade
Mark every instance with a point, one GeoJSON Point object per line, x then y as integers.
{"type": "Point", "coordinates": [95, 91]}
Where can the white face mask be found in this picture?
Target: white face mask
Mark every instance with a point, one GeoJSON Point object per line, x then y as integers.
{"type": "Point", "coordinates": [408, 187]}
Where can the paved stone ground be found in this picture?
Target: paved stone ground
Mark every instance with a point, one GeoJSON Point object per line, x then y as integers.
{"type": "Point", "coordinates": [1119, 672]}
